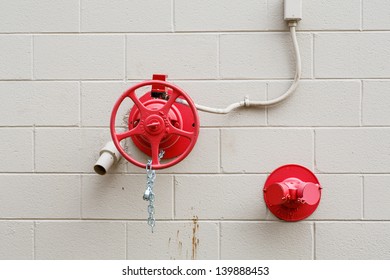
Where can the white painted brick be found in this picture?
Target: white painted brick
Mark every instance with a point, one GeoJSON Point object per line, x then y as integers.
{"type": "Point", "coordinates": [78, 57]}
{"type": "Point", "coordinates": [220, 197]}
{"type": "Point", "coordinates": [80, 240]}
{"type": "Point", "coordinates": [319, 103]}
{"type": "Point", "coordinates": [220, 94]}
{"type": "Point", "coordinates": [262, 15]}
{"type": "Point", "coordinates": [376, 197]}
{"type": "Point", "coordinates": [376, 103]}
{"type": "Point", "coordinates": [354, 55]}
{"type": "Point", "coordinates": [40, 196]}
{"type": "Point", "coordinates": [179, 56]}
{"type": "Point", "coordinates": [270, 240]}
{"type": "Point", "coordinates": [262, 56]}
{"type": "Point", "coordinates": [352, 150]}
{"type": "Point", "coordinates": [70, 150]}
{"type": "Point", "coordinates": [126, 16]}
{"type": "Point", "coordinates": [15, 57]}
{"type": "Point", "coordinates": [176, 240]}
{"type": "Point", "coordinates": [341, 198]}
{"type": "Point", "coordinates": [97, 101]}
{"type": "Point", "coordinates": [59, 150]}
{"type": "Point", "coordinates": [276, 15]}
{"type": "Point", "coordinates": [220, 15]}
{"type": "Point", "coordinates": [263, 150]}
{"type": "Point", "coordinates": [16, 240]}
{"type": "Point", "coordinates": [352, 241]}
{"type": "Point", "coordinates": [204, 158]}
{"type": "Point", "coordinates": [330, 15]}
{"type": "Point", "coordinates": [221, 53]}
{"type": "Point", "coordinates": [318, 15]}
{"type": "Point", "coordinates": [39, 16]}
{"type": "Point", "coordinates": [376, 14]}
{"type": "Point", "coordinates": [120, 197]}
{"type": "Point", "coordinates": [39, 103]}
{"type": "Point", "coordinates": [16, 150]}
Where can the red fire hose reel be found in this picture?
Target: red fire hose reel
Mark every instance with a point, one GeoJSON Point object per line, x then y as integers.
{"type": "Point", "coordinates": [156, 122]}
{"type": "Point", "coordinates": [292, 192]}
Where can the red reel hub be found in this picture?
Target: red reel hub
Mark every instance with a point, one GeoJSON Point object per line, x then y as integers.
{"type": "Point", "coordinates": [157, 122]}
{"type": "Point", "coordinates": [292, 192]}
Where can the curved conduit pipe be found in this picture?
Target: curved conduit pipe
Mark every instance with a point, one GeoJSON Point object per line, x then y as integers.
{"type": "Point", "coordinates": [246, 102]}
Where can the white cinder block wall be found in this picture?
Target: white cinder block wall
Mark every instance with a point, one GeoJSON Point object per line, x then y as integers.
{"type": "Point", "coordinates": [64, 63]}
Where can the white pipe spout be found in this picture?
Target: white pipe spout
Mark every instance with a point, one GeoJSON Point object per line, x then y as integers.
{"type": "Point", "coordinates": [109, 156]}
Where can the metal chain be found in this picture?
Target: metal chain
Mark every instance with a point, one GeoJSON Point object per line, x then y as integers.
{"type": "Point", "coordinates": [149, 194]}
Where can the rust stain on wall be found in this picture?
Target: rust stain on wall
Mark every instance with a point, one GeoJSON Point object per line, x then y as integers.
{"type": "Point", "coordinates": [195, 239]}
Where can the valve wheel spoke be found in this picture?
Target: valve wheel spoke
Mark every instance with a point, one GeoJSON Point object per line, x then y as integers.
{"type": "Point", "coordinates": [172, 98]}
{"type": "Point", "coordinates": [181, 132]}
{"type": "Point", "coordinates": [135, 131]}
{"type": "Point", "coordinates": [155, 145]}
{"type": "Point", "coordinates": [137, 102]}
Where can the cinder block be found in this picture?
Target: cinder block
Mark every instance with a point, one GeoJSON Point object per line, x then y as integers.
{"type": "Point", "coordinates": [265, 149]}
{"type": "Point", "coordinates": [98, 99]}
{"type": "Point", "coordinates": [80, 240]}
{"type": "Point", "coordinates": [376, 197]}
{"type": "Point", "coordinates": [353, 55]}
{"type": "Point", "coordinates": [120, 197]}
{"type": "Point", "coordinates": [376, 14]}
{"type": "Point", "coordinates": [376, 102]}
{"type": "Point", "coordinates": [16, 150]}
{"type": "Point", "coordinates": [16, 240]}
{"type": "Point", "coordinates": [259, 56]}
{"type": "Point", "coordinates": [352, 150]}
{"type": "Point", "coordinates": [15, 57]}
{"type": "Point", "coordinates": [220, 15]}
{"type": "Point", "coordinates": [58, 150]}
{"type": "Point", "coordinates": [39, 103]}
{"type": "Point", "coordinates": [40, 196]}
{"type": "Point", "coordinates": [180, 56]}
{"type": "Point", "coordinates": [220, 197]}
{"type": "Point", "coordinates": [276, 15]}
{"type": "Point", "coordinates": [39, 16]}
{"type": "Point", "coordinates": [319, 103]}
{"type": "Point", "coordinates": [341, 198]}
{"type": "Point", "coordinates": [176, 240]}
{"type": "Point", "coordinates": [269, 240]}
{"type": "Point", "coordinates": [126, 16]}
{"type": "Point", "coordinates": [330, 15]}
{"type": "Point", "coordinates": [352, 241]}
{"type": "Point", "coordinates": [220, 94]}
{"type": "Point", "coordinates": [70, 150]}
{"type": "Point", "coordinates": [78, 57]}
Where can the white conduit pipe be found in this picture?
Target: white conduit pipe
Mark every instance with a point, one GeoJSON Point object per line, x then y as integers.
{"type": "Point", "coordinates": [246, 102]}
{"type": "Point", "coordinates": [109, 156]}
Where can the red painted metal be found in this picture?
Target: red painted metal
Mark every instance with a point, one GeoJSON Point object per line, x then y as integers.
{"type": "Point", "coordinates": [158, 123]}
{"type": "Point", "coordinates": [292, 192]}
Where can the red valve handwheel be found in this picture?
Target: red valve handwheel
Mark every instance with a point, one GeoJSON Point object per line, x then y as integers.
{"type": "Point", "coordinates": [154, 125]}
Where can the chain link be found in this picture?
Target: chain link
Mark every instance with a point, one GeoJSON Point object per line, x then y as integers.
{"type": "Point", "coordinates": [149, 194]}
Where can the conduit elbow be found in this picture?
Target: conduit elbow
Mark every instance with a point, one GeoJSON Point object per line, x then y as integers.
{"type": "Point", "coordinates": [109, 156]}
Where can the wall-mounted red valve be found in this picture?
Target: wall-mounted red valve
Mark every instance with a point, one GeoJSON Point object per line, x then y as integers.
{"type": "Point", "coordinates": [156, 122]}
{"type": "Point", "coordinates": [292, 192]}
